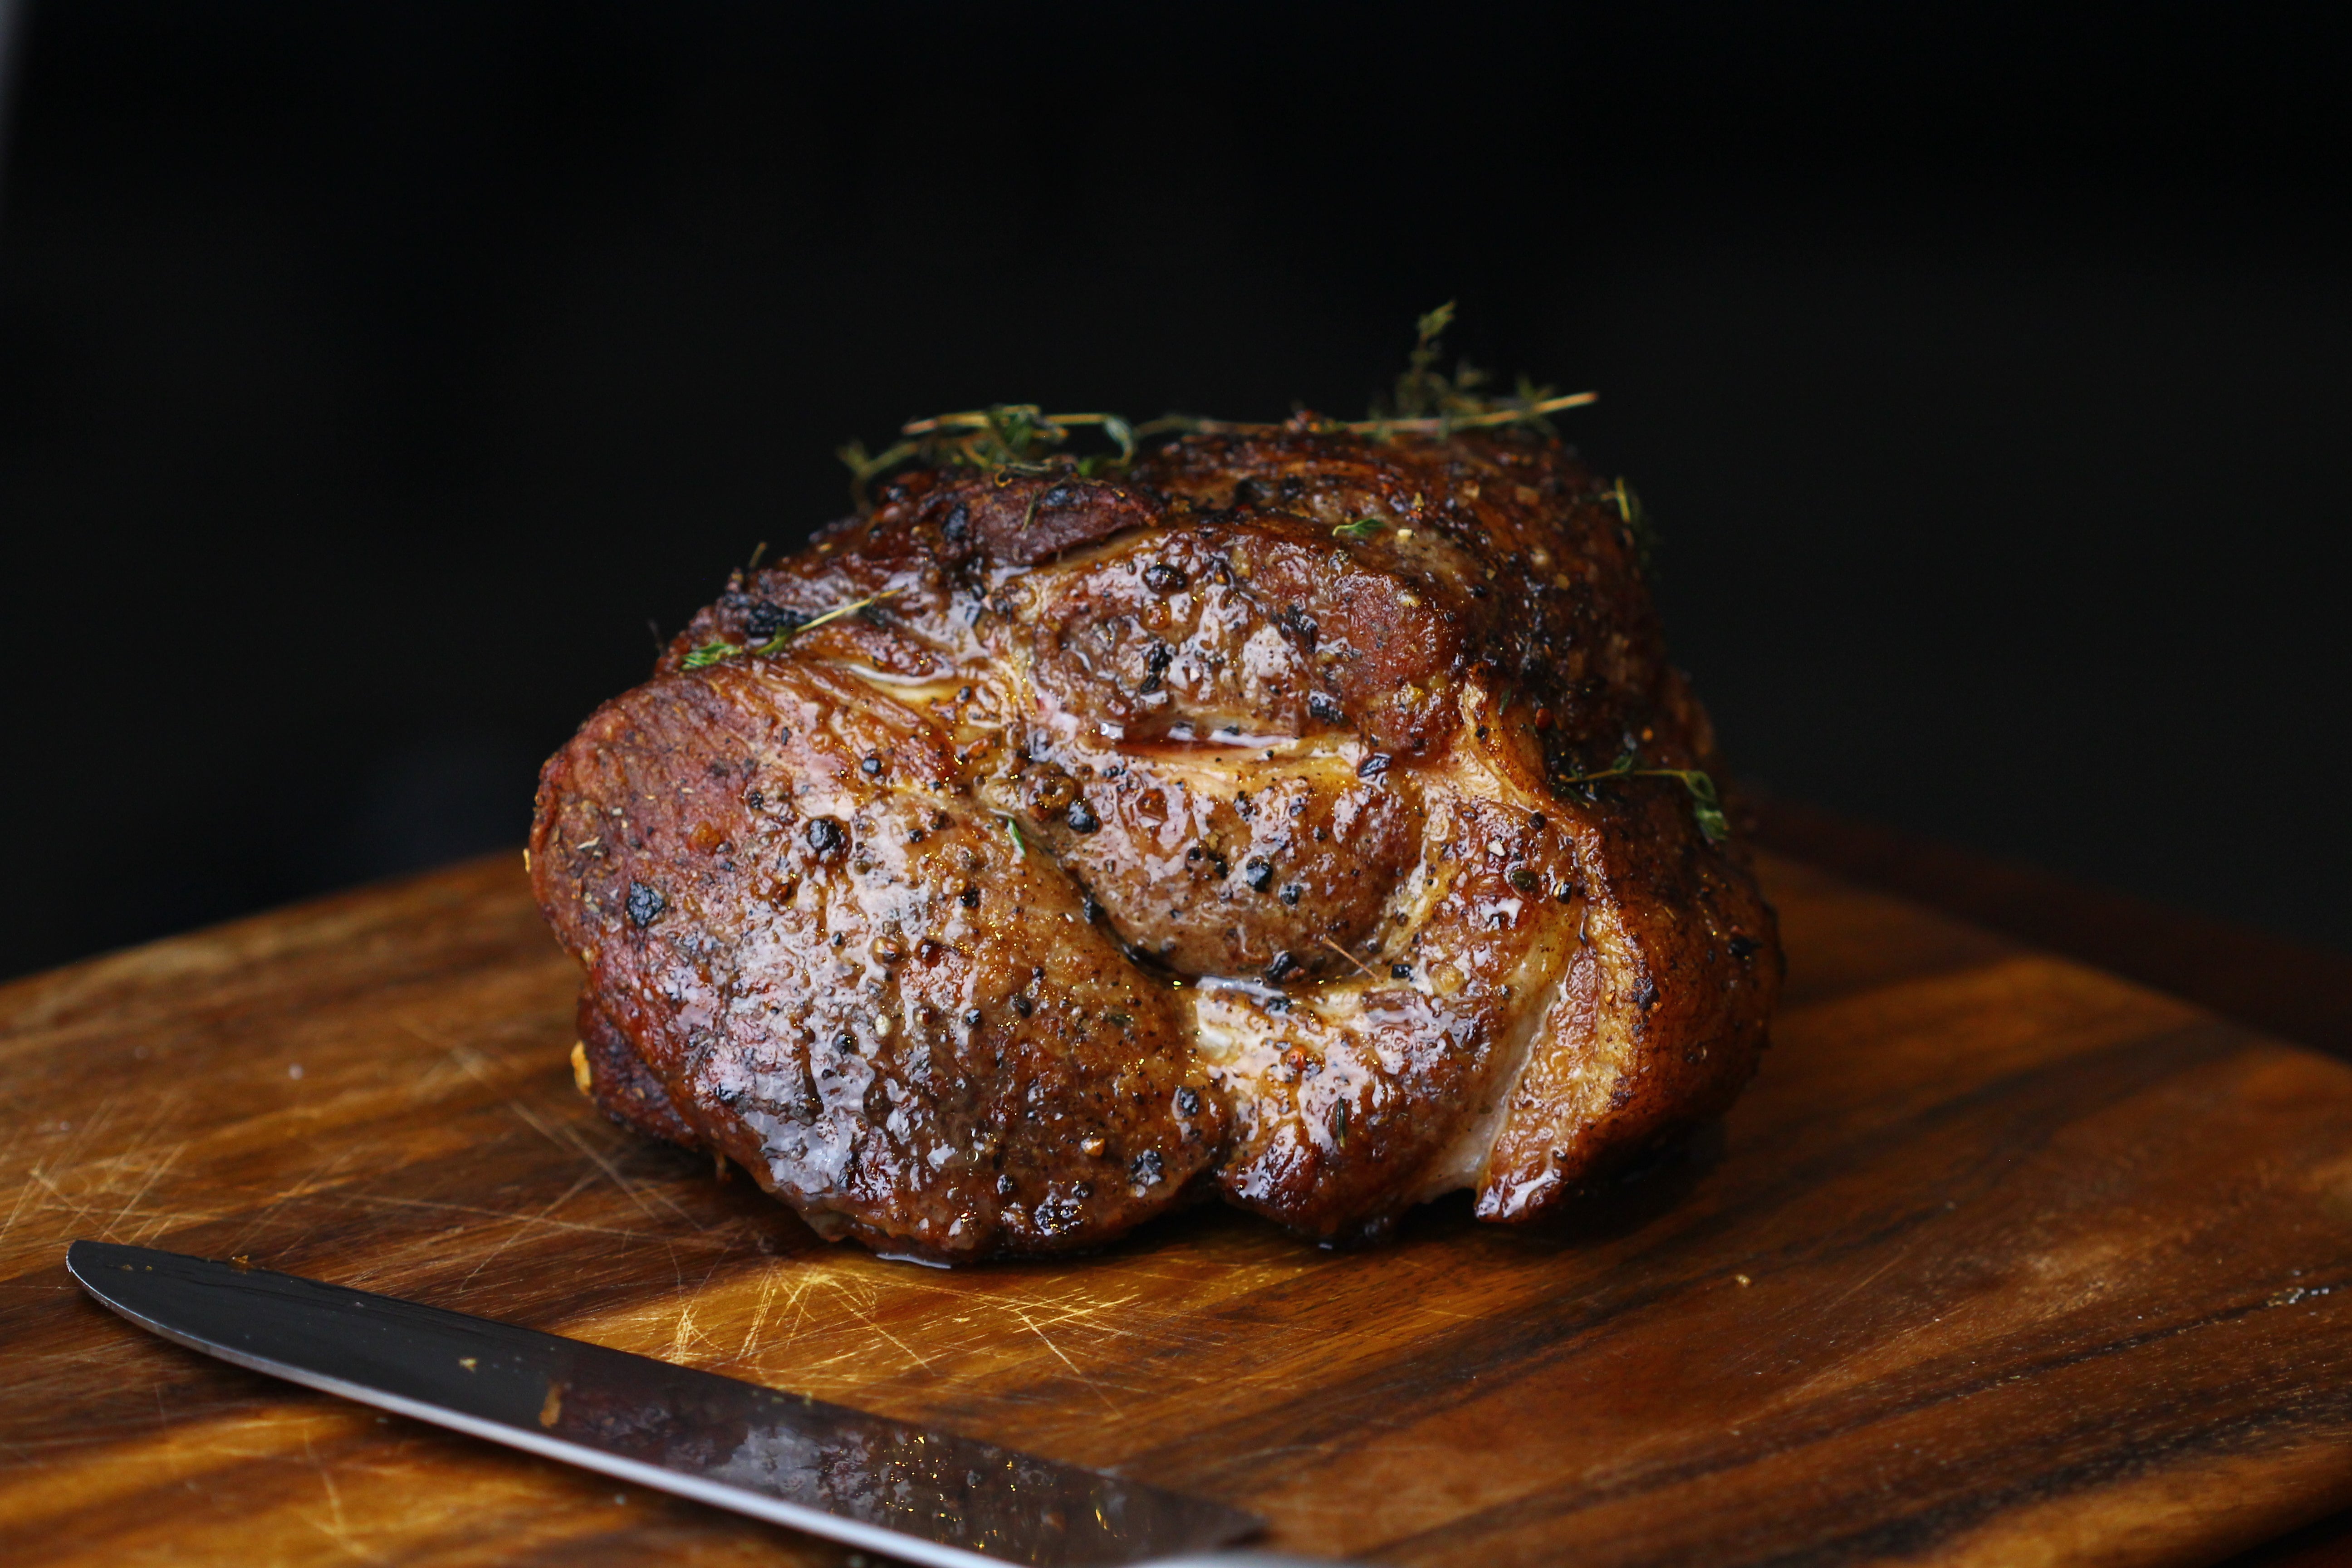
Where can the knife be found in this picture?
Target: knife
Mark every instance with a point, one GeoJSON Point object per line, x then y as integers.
{"type": "Point", "coordinates": [885, 1486]}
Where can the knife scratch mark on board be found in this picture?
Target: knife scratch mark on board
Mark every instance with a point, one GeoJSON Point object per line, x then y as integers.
{"type": "Point", "coordinates": [523, 1225]}
{"type": "Point", "coordinates": [468, 1062]}
{"type": "Point", "coordinates": [1823, 1314]}
{"type": "Point", "coordinates": [477, 1065]}
{"type": "Point", "coordinates": [1097, 1314]}
{"type": "Point", "coordinates": [634, 1192]}
{"type": "Point", "coordinates": [769, 1283]}
{"type": "Point", "coordinates": [24, 1195]}
{"type": "Point", "coordinates": [337, 1529]}
{"type": "Point", "coordinates": [521, 1219]}
{"type": "Point", "coordinates": [154, 1171]}
{"type": "Point", "coordinates": [110, 1191]}
{"type": "Point", "coordinates": [48, 1184]}
{"type": "Point", "coordinates": [849, 1294]}
{"type": "Point", "coordinates": [1092, 1387]}
{"type": "Point", "coordinates": [320, 1177]}
{"type": "Point", "coordinates": [875, 1323]}
{"type": "Point", "coordinates": [801, 1289]}
{"type": "Point", "coordinates": [683, 1334]}
{"type": "Point", "coordinates": [68, 1160]}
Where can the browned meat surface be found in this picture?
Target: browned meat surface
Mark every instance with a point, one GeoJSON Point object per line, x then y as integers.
{"type": "Point", "coordinates": [1230, 825]}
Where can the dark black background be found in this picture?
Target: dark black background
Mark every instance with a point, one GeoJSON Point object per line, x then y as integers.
{"type": "Point", "coordinates": [371, 374]}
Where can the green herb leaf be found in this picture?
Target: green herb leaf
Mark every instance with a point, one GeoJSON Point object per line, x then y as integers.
{"type": "Point", "coordinates": [1005, 437]}
{"type": "Point", "coordinates": [1637, 524]}
{"type": "Point", "coordinates": [1362, 528]}
{"type": "Point", "coordinates": [1707, 803]}
{"type": "Point", "coordinates": [834, 613]}
{"type": "Point", "coordinates": [863, 467]}
{"type": "Point", "coordinates": [718, 652]}
{"type": "Point", "coordinates": [1427, 401]}
{"type": "Point", "coordinates": [1422, 389]}
{"type": "Point", "coordinates": [1018, 847]}
{"type": "Point", "coordinates": [1120, 431]}
{"type": "Point", "coordinates": [1020, 437]}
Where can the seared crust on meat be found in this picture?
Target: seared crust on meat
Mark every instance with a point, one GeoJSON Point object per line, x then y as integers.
{"type": "Point", "coordinates": [1231, 822]}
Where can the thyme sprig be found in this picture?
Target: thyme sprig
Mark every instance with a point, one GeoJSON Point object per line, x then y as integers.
{"type": "Point", "coordinates": [1637, 523]}
{"type": "Point", "coordinates": [718, 652]}
{"type": "Point", "coordinates": [1425, 397]}
{"type": "Point", "coordinates": [1707, 803]}
{"type": "Point", "coordinates": [1020, 439]}
{"type": "Point", "coordinates": [1015, 438]}
{"type": "Point", "coordinates": [1513, 410]}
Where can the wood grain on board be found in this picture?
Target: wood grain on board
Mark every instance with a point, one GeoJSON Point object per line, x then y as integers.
{"type": "Point", "coordinates": [2002, 1259]}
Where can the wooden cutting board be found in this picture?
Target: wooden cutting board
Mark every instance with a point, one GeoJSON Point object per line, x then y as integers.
{"type": "Point", "coordinates": [2001, 1260]}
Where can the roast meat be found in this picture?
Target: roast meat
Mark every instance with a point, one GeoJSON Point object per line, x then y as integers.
{"type": "Point", "coordinates": [1298, 816]}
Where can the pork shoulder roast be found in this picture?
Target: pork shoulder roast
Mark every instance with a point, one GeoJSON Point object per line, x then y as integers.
{"type": "Point", "coordinates": [1301, 816]}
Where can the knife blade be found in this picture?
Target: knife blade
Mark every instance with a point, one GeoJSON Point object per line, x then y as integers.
{"type": "Point", "coordinates": [887, 1486]}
